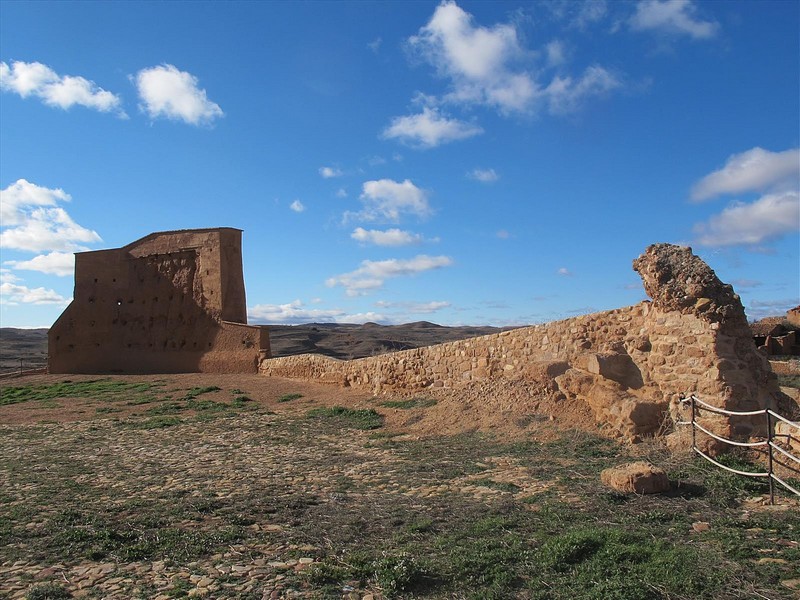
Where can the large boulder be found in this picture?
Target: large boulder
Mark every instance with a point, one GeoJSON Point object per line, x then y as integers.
{"type": "Point", "coordinates": [636, 478]}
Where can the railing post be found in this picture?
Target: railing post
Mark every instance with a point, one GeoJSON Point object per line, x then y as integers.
{"type": "Point", "coordinates": [694, 435]}
{"type": "Point", "coordinates": [769, 450]}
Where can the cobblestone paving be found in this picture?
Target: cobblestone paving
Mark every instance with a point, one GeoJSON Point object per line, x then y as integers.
{"type": "Point", "coordinates": [256, 473]}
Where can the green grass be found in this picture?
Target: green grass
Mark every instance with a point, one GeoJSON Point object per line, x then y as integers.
{"type": "Point", "coordinates": [409, 404]}
{"type": "Point", "coordinates": [362, 507]}
{"type": "Point", "coordinates": [289, 397]}
{"type": "Point", "coordinates": [348, 417]}
{"type": "Point", "coordinates": [99, 389]}
{"type": "Point", "coordinates": [792, 381]}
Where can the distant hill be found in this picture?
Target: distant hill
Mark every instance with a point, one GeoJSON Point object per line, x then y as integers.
{"type": "Point", "coordinates": [330, 339]}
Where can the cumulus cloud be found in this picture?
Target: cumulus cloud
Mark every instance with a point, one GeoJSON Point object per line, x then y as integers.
{"type": "Point", "coordinates": [478, 60]}
{"type": "Point", "coordinates": [389, 237]}
{"type": "Point", "coordinates": [295, 313]}
{"type": "Point", "coordinates": [297, 206]}
{"type": "Point", "coordinates": [564, 272]}
{"type": "Point", "coordinates": [12, 294]}
{"type": "Point", "coordinates": [769, 217]}
{"type": "Point", "coordinates": [39, 80]}
{"type": "Point", "coordinates": [485, 65]}
{"type": "Point", "coordinates": [429, 129]}
{"type": "Point", "coordinates": [32, 222]}
{"type": "Point", "coordinates": [754, 170]}
{"type": "Point", "coordinates": [483, 175]}
{"type": "Point", "coordinates": [388, 200]}
{"type": "Point", "coordinates": [774, 175]}
{"type": "Point", "coordinates": [53, 263]}
{"type": "Point", "coordinates": [167, 92]}
{"type": "Point", "coordinates": [672, 17]}
{"type": "Point", "coordinates": [329, 172]}
{"type": "Point", "coordinates": [371, 275]}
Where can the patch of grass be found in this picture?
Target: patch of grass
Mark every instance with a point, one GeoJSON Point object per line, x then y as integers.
{"type": "Point", "coordinates": [289, 397]}
{"type": "Point", "coordinates": [348, 417]}
{"type": "Point", "coordinates": [47, 591]}
{"type": "Point", "coordinates": [612, 563]}
{"type": "Point", "coordinates": [105, 410]}
{"type": "Point", "coordinates": [792, 381]}
{"type": "Point", "coordinates": [198, 391]}
{"type": "Point", "coordinates": [157, 422]}
{"type": "Point", "coordinates": [240, 401]}
{"type": "Point", "coordinates": [409, 404]}
{"type": "Point", "coordinates": [98, 389]}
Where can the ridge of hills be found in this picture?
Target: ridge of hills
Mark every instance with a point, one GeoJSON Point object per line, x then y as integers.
{"type": "Point", "coordinates": [343, 341]}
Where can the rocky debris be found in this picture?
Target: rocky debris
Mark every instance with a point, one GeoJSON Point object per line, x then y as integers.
{"type": "Point", "coordinates": [636, 478]}
{"type": "Point", "coordinates": [678, 280]}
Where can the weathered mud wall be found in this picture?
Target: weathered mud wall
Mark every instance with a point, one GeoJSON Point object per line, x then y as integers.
{"type": "Point", "coordinates": [170, 302]}
{"type": "Point", "coordinates": [630, 365]}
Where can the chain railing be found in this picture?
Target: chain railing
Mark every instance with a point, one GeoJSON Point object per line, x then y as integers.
{"type": "Point", "coordinates": [768, 445]}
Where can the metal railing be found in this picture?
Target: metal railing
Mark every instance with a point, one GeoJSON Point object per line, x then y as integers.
{"type": "Point", "coordinates": [769, 446]}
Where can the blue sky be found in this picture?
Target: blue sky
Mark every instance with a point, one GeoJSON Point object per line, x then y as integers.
{"type": "Point", "coordinates": [463, 163]}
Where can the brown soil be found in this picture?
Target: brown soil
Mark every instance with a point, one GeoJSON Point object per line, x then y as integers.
{"type": "Point", "coordinates": [508, 409]}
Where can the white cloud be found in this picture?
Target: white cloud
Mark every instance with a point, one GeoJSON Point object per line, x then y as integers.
{"type": "Point", "coordinates": [53, 263]}
{"type": "Point", "coordinates": [341, 193]}
{"type": "Point", "coordinates": [485, 65]}
{"type": "Point", "coordinates": [769, 217]}
{"type": "Point", "coordinates": [566, 94]}
{"type": "Point", "coordinates": [371, 275]}
{"type": "Point", "coordinates": [754, 170]}
{"type": "Point", "coordinates": [672, 17]}
{"type": "Point", "coordinates": [478, 60]}
{"type": "Point", "coordinates": [415, 307]}
{"type": "Point", "coordinates": [297, 206]}
{"type": "Point", "coordinates": [12, 294]}
{"type": "Point", "coordinates": [388, 200]}
{"type": "Point", "coordinates": [295, 313]}
{"type": "Point", "coordinates": [758, 309]}
{"type": "Point", "coordinates": [390, 237]}
{"type": "Point", "coordinates": [483, 175]}
{"type": "Point", "coordinates": [17, 198]}
{"type": "Point", "coordinates": [6, 276]}
{"type": "Point", "coordinates": [556, 53]}
{"type": "Point", "coordinates": [329, 172]}
{"type": "Point", "coordinates": [168, 92]}
{"type": "Point", "coordinates": [429, 129]}
{"type": "Point", "coordinates": [564, 272]}
{"type": "Point", "coordinates": [36, 79]}
{"type": "Point", "coordinates": [37, 224]}
{"type": "Point", "coordinates": [375, 45]}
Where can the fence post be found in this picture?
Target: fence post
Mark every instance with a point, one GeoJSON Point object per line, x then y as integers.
{"type": "Point", "coordinates": [769, 449]}
{"type": "Point", "coordinates": [694, 435]}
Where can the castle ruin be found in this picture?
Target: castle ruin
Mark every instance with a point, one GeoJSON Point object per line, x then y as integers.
{"type": "Point", "coordinates": [170, 302]}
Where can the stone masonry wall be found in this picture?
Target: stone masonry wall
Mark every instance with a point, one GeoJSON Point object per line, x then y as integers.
{"type": "Point", "coordinates": [630, 365]}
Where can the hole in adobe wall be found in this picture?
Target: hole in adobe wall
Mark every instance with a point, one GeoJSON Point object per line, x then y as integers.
{"type": "Point", "coordinates": [209, 344]}
{"type": "Point", "coordinates": [194, 344]}
{"type": "Point", "coordinates": [150, 345]}
{"type": "Point", "coordinates": [58, 337]}
{"type": "Point", "coordinates": [91, 299]}
{"type": "Point", "coordinates": [96, 345]}
{"type": "Point", "coordinates": [155, 298]}
{"type": "Point", "coordinates": [114, 280]}
{"type": "Point", "coordinates": [119, 301]}
{"type": "Point", "coordinates": [129, 345]}
{"type": "Point", "coordinates": [91, 323]}
{"type": "Point", "coordinates": [95, 279]}
{"type": "Point", "coordinates": [165, 344]}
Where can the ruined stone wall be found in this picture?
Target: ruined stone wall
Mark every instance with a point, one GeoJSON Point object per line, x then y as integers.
{"type": "Point", "coordinates": [630, 365]}
{"type": "Point", "coordinates": [170, 302]}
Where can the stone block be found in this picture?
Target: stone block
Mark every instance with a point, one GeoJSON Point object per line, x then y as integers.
{"type": "Point", "coordinates": [636, 478]}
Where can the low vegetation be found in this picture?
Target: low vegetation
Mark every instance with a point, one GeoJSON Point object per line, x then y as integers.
{"type": "Point", "coordinates": [315, 504]}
